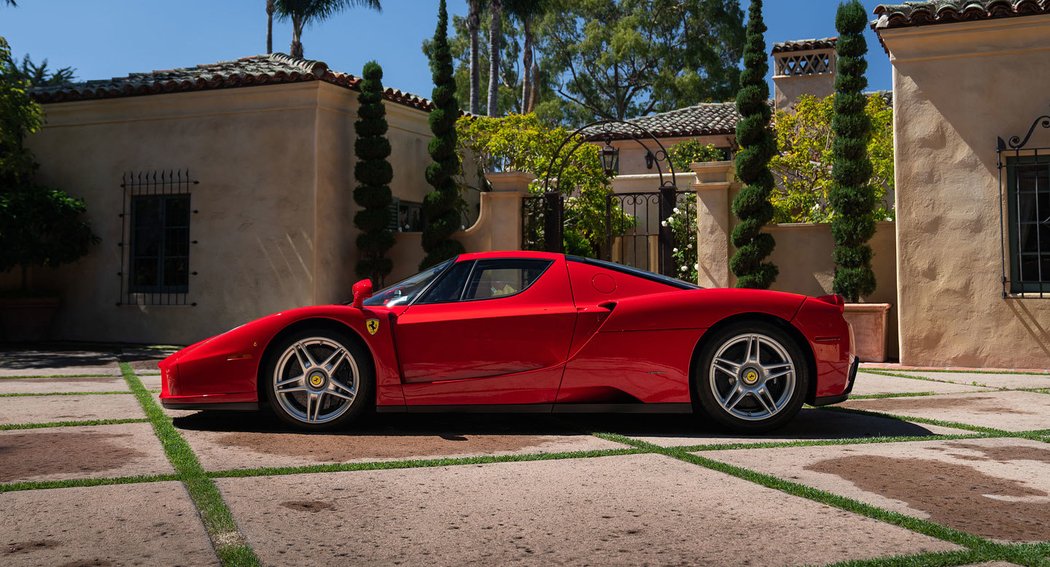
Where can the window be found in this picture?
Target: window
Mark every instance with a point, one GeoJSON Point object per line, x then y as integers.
{"type": "Point", "coordinates": [450, 286]}
{"type": "Point", "coordinates": [403, 292]}
{"type": "Point", "coordinates": [492, 279]}
{"type": "Point", "coordinates": [1029, 206]}
{"type": "Point", "coordinates": [406, 216]}
{"type": "Point", "coordinates": [160, 244]}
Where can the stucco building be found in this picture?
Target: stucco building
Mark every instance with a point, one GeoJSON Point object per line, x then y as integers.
{"type": "Point", "coordinates": [220, 193]}
{"type": "Point", "coordinates": [971, 79]}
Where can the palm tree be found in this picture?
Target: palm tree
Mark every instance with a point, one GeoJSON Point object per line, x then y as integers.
{"type": "Point", "coordinates": [269, 26]}
{"type": "Point", "coordinates": [473, 25]}
{"type": "Point", "coordinates": [527, 12]}
{"type": "Point", "coordinates": [495, 45]}
{"type": "Point", "coordinates": [302, 12]}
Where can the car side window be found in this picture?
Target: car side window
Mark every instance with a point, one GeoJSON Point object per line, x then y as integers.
{"type": "Point", "coordinates": [450, 286]}
{"type": "Point", "coordinates": [493, 279]}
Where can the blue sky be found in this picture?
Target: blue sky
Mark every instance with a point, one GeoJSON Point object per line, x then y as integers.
{"type": "Point", "coordinates": [107, 38]}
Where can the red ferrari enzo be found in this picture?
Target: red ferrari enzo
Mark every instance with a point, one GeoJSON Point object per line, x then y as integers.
{"type": "Point", "coordinates": [528, 332]}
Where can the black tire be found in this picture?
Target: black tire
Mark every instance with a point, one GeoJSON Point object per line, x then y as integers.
{"type": "Point", "coordinates": [324, 391]}
{"type": "Point", "coordinates": [765, 397]}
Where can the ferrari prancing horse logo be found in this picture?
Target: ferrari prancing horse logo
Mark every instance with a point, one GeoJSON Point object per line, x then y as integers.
{"type": "Point", "coordinates": [372, 325]}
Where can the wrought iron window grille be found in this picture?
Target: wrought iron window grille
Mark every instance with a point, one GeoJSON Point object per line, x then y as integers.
{"type": "Point", "coordinates": [1024, 214]}
{"type": "Point", "coordinates": [156, 238]}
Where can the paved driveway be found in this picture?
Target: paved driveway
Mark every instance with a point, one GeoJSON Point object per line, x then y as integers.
{"type": "Point", "coordinates": [920, 468]}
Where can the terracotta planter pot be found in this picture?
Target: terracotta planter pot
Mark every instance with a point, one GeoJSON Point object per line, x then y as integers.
{"type": "Point", "coordinates": [869, 329]}
{"type": "Point", "coordinates": [26, 319]}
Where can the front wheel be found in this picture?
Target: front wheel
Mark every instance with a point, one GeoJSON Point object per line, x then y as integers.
{"type": "Point", "coordinates": [751, 377]}
{"type": "Point", "coordinates": [319, 379]}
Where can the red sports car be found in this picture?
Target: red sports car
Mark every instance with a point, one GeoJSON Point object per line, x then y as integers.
{"type": "Point", "coordinates": [528, 332]}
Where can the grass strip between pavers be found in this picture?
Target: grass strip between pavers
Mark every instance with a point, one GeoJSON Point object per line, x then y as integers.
{"type": "Point", "coordinates": [422, 463]}
{"type": "Point", "coordinates": [924, 420]}
{"type": "Point", "coordinates": [81, 482]}
{"type": "Point", "coordinates": [36, 376]}
{"type": "Point", "coordinates": [40, 394]}
{"type": "Point", "coordinates": [892, 395]}
{"type": "Point", "coordinates": [950, 371]}
{"type": "Point", "coordinates": [834, 442]}
{"type": "Point", "coordinates": [978, 549]}
{"type": "Point", "coordinates": [229, 544]}
{"type": "Point", "coordinates": [84, 423]}
{"type": "Point", "coordinates": [892, 374]}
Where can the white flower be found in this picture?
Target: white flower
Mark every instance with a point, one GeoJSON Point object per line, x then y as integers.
{"type": "Point", "coordinates": [675, 250]}
{"type": "Point", "coordinates": [664, 223]}
{"type": "Point", "coordinates": [689, 246]}
{"type": "Point", "coordinates": [683, 269]}
{"type": "Point", "coordinates": [676, 211]}
{"type": "Point", "coordinates": [696, 266]}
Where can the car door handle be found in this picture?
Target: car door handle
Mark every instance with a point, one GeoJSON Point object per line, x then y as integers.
{"type": "Point", "coordinates": [601, 308]}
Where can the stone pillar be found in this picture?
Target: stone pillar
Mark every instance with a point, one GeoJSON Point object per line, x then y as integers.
{"type": "Point", "coordinates": [499, 223]}
{"type": "Point", "coordinates": [713, 186]}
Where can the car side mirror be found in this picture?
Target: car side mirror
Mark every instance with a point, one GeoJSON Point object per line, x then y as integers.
{"type": "Point", "coordinates": [362, 291]}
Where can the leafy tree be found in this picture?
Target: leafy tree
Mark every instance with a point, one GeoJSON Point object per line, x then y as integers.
{"type": "Point", "coordinates": [441, 207]}
{"type": "Point", "coordinates": [39, 226]}
{"type": "Point", "coordinates": [851, 195]}
{"type": "Point", "coordinates": [373, 174]}
{"type": "Point", "coordinates": [758, 146]}
{"type": "Point", "coordinates": [525, 143]}
{"type": "Point", "coordinates": [38, 75]}
{"type": "Point", "coordinates": [802, 166]}
{"type": "Point", "coordinates": [626, 58]}
{"type": "Point", "coordinates": [302, 12]}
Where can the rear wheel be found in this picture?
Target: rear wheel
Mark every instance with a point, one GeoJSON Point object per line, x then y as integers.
{"type": "Point", "coordinates": [319, 379]}
{"type": "Point", "coordinates": [751, 377]}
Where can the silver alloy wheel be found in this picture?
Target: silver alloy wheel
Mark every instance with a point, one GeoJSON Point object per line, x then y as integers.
{"type": "Point", "coordinates": [316, 380]}
{"type": "Point", "coordinates": [752, 377]}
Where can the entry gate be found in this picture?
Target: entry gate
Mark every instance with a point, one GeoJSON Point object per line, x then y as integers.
{"type": "Point", "coordinates": [641, 229]}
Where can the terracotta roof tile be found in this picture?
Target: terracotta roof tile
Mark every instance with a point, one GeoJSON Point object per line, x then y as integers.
{"type": "Point", "coordinates": [274, 69]}
{"type": "Point", "coordinates": [709, 118]}
{"type": "Point", "coordinates": [805, 45]}
{"type": "Point", "coordinates": [910, 14]}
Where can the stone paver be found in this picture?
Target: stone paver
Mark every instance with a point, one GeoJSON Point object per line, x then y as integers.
{"type": "Point", "coordinates": [51, 385]}
{"type": "Point", "coordinates": [1009, 381]}
{"type": "Point", "coordinates": [43, 409]}
{"type": "Point", "coordinates": [59, 453]}
{"type": "Point", "coordinates": [47, 363]}
{"type": "Point", "coordinates": [238, 440]}
{"type": "Point", "coordinates": [150, 381]}
{"type": "Point", "coordinates": [610, 510]}
{"type": "Point", "coordinates": [995, 488]}
{"type": "Point", "coordinates": [1009, 411]}
{"type": "Point", "coordinates": [135, 524]}
{"type": "Point", "coordinates": [810, 425]}
{"type": "Point", "coordinates": [868, 384]}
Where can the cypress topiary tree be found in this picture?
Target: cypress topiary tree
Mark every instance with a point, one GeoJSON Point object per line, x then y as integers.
{"type": "Point", "coordinates": [441, 207]}
{"type": "Point", "coordinates": [373, 174]}
{"type": "Point", "coordinates": [851, 195]}
{"type": "Point", "coordinates": [758, 146]}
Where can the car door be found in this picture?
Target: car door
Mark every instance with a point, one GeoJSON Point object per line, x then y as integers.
{"type": "Point", "coordinates": [490, 331]}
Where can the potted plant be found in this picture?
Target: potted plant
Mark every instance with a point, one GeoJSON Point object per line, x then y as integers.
{"type": "Point", "coordinates": [39, 225]}
{"type": "Point", "coordinates": [852, 196]}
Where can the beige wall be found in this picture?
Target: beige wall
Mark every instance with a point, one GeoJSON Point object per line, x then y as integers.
{"type": "Point", "coordinates": [803, 255]}
{"type": "Point", "coordinates": [632, 156]}
{"type": "Point", "coordinates": [275, 223]}
{"type": "Point", "coordinates": [957, 88]}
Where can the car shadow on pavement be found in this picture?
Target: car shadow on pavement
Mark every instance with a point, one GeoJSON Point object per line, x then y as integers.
{"type": "Point", "coordinates": [683, 429]}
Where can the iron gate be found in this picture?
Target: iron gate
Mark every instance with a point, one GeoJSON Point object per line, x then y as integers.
{"type": "Point", "coordinates": [649, 230]}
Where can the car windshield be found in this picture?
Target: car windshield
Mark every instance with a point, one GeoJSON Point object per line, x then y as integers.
{"type": "Point", "coordinates": [403, 292]}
